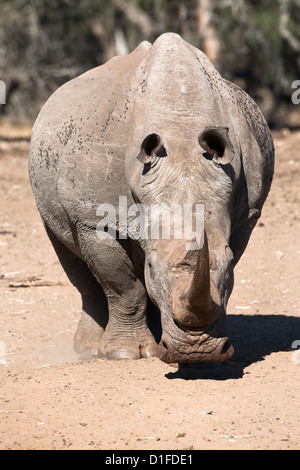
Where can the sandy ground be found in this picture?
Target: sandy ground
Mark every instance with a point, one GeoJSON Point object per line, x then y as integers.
{"type": "Point", "coordinates": [49, 399]}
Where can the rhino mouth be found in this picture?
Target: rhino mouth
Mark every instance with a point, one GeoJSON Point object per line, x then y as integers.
{"type": "Point", "coordinates": [182, 345]}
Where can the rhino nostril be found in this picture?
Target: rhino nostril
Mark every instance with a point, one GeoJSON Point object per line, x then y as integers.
{"type": "Point", "coordinates": [225, 347]}
{"type": "Point", "coordinates": [162, 351]}
{"type": "Point", "coordinates": [163, 346]}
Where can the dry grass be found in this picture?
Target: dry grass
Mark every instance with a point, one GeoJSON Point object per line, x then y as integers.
{"type": "Point", "coordinates": [11, 131]}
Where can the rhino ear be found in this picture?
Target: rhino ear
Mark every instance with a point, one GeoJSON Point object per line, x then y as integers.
{"type": "Point", "coordinates": [216, 142]}
{"type": "Point", "coordinates": [152, 146]}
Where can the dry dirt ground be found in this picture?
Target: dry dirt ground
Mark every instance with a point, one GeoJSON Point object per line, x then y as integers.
{"type": "Point", "coordinates": [49, 399]}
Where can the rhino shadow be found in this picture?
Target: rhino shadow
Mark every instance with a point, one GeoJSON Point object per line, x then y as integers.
{"type": "Point", "coordinates": [253, 337]}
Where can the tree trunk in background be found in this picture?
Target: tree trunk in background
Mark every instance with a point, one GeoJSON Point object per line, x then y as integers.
{"type": "Point", "coordinates": [105, 40]}
{"type": "Point", "coordinates": [136, 16]}
{"type": "Point", "coordinates": [285, 8]}
{"type": "Point", "coordinates": [210, 43]}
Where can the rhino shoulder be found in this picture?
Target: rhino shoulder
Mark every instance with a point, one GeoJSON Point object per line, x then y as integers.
{"type": "Point", "coordinates": [255, 121]}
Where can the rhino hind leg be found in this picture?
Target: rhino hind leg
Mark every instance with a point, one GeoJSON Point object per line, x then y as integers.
{"type": "Point", "coordinates": [94, 315]}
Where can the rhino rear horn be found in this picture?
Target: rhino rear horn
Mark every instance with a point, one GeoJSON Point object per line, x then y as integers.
{"type": "Point", "coordinates": [216, 142]}
{"type": "Point", "coordinates": [152, 146]}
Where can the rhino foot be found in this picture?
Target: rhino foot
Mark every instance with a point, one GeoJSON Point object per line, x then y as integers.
{"type": "Point", "coordinates": [94, 342]}
{"type": "Point", "coordinates": [129, 348]}
{"type": "Point", "coordinates": [87, 337]}
{"type": "Point", "coordinates": [127, 353]}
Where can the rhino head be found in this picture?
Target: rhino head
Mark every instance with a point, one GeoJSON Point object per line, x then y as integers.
{"type": "Point", "coordinates": [190, 283]}
{"type": "Point", "coordinates": [195, 139]}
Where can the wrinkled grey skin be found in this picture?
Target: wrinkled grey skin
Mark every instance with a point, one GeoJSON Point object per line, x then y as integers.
{"type": "Point", "coordinates": [84, 150]}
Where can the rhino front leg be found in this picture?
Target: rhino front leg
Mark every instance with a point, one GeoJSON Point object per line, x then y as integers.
{"type": "Point", "coordinates": [126, 335]}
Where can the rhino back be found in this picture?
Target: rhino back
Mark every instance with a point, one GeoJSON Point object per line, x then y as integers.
{"type": "Point", "coordinates": [78, 145]}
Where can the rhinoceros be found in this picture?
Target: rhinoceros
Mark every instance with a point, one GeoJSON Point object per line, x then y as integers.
{"type": "Point", "coordinates": [159, 126]}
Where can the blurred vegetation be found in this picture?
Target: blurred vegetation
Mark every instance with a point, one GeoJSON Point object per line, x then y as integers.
{"type": "Point", "coordinates": [44, 43]}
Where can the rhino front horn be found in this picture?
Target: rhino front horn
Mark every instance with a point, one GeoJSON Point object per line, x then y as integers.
{"type": "Point", "coordinates": [200, 297]}
{"type": "Point", "coordinates": [199, 305]}
{"type": "Point", "coordinates": [216, 142]}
